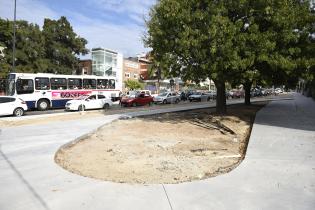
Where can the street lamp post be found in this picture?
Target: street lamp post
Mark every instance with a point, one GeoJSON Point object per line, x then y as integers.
{"type": "Point", "coordinates": [14, 38]}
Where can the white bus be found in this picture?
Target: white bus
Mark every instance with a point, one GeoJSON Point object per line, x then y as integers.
{"type": "Point", "coordinates": [43, 91]}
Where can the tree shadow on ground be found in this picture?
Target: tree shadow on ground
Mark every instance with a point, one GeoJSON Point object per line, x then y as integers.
{"type": "Point", "coordinates": [207, 118]}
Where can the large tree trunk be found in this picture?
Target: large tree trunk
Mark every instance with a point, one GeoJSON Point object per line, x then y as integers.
{"type": "Point", "coordinates": [247, 87]}
{"type": "Point", "coordinates": [221, 98]}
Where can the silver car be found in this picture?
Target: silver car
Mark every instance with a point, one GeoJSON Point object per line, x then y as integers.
{"type": "Point", "coordinates": [199, 96]}
{"type": "Point", "coordinates": [167, 98]}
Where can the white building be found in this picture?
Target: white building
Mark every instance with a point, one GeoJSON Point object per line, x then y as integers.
{"type": "Point", "coordinates": [107, 62]}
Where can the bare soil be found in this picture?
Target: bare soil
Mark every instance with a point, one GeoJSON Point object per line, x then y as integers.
{"type": "Point", "coordinates": [165, 148]}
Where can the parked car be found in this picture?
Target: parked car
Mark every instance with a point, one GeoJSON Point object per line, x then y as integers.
{"type": "Point", "coordinates": [235, 93]}
{"type": "Point", "coordinates": [212, 94]}
{"type": "Point", "coordinates": [256, 92]}
{"type": "Point", "coordinates": [183, 96]}
{"type": "Point", "coordinates": [95, 101]}
{"type": "Point", "coordinates": [198, 96]}
{"type": "Point", "coordinates": [168, 97]}
{"type": "Point", "coordinates": [12, 106]}
{"type": "Point", "coordinates": [146, 92]}
{"type": "Point", "coordinates": [278, 91]}
{"type": "Point", "coordinates": [137, 100]}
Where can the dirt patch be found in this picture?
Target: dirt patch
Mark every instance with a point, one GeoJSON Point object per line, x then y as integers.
{"type": "Point", "coordinates": [165, 148]}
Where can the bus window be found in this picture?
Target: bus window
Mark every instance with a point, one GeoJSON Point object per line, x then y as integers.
{"type": "Point", "coordinates": [89, 84]}
{"type": "Point", "coordinates": [74, 84]}
{"type": "Point", "coordinates": [42, 83]}
{"type": "Point", "coordinates": [111, 84]}
{"type": "Point", "coordinates": [102, 83]}
{"type": "Point", "coordinates": [58, 83]}
{"type": "Point", "coordinates": [24, 86]}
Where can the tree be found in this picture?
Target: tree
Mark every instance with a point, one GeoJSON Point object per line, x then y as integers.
{"type": "Point", "coordinates": [53, 49]}
{"type": "Point", "coordinates": [269, 43]}
{"type": "Point", "coordinates": [62, 45]}
{"type": "Point", "coordinates": [133, 84]}
{"type": "Point", "coordinates": [229, 41]}
{"type": "Point", "coordinates": [29, 47]}
{"type": "Point", "coordinates": [195, 40]}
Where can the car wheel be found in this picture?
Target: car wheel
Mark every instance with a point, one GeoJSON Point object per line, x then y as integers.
{"type": "Point", "coordinates": [106, 106]}
{"type": "Point", "coordinates": [151, 103]}
{"type": "Point", "coordinates": [208, 99]}
{"type": "Point", "coordinates": [190, 100]}
{"type": "Point", "coordinates": [176, 101]}
{"type": "Point", "coordinates": [81, 108]}
{"type": "Point", "coordinates": [164, 101]}
{"type": "Point", "coordinates": [18, 112]}
{"type": "Point", "coordinates": [134, 104]}
{"type": "Point", "coordinates": [42, 105]}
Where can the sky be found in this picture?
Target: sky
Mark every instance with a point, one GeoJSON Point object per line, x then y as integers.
{"type": "Point", "coordinates": [114, 24]}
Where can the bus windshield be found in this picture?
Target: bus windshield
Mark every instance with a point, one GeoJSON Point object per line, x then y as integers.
{"type": "Point", "coordinates": [10, 86]}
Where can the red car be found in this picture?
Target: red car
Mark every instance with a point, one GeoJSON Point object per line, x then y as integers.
{"type": "Point", "coordinates": [137, 100]}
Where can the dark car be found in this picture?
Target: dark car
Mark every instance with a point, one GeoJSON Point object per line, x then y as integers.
{"type": "Point", "coordinates": [255, 92]}
{"type": "Point", "coordinates": [137, 100]}
{"type": "Point", "coordinates": [183, 96]}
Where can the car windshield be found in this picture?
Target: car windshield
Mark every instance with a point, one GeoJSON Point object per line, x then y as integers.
{"type": "Point", "coordinates": [163, 94]}
{"type": "Point", "coordinates": [83, 97]}
{"type": "Point", "coordinates": [131, 96]}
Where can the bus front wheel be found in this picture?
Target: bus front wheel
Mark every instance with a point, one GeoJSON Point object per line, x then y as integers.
{"type": "Point", "coordinates": [42, 105]}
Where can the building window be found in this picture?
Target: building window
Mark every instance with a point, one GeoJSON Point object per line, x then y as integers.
{"type": "Point", "coordinates": [127, 75]}
{"type": "Point", "coordinates": [135, 76]}
{"type": "Point", "coordinates": [84, 70]}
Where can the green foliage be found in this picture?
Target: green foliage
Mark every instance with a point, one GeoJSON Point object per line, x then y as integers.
{"type": "Point", "coordinates": [61, 46]}
{"type": "Point", "coordinates": [29, 47]}
{"type": "Point", "coordinates": [133, 84]}
{"type": "Point", "coordinates": [194, 39]}
{"type": "Point", "coordinates": [53, 49]}
{"type": "Point", "coordinates": [235, 41]}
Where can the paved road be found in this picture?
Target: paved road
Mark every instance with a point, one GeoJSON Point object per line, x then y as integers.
{"type": "Point", "coordinates": [278, 172]}
{"type": "Point", "coordinates": [118, 109]}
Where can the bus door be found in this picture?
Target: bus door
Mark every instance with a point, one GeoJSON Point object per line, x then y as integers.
{"type": "Point", "coordinates": [25, 91]}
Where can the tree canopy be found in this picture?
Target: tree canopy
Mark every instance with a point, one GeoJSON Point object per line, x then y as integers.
{"type": "Point", "coordinates": [54, 49]}
{"type": "Point", "coordinates": [133, 84]}
{"type": "Point", "coordinates": [228, 41]}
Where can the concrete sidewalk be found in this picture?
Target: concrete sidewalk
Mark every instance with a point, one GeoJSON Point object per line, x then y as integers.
{"type": "Point", "coordinates": [277, 173]}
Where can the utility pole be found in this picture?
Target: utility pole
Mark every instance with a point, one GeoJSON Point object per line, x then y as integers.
{"type": "Point", "coordinates": [14, 38]}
